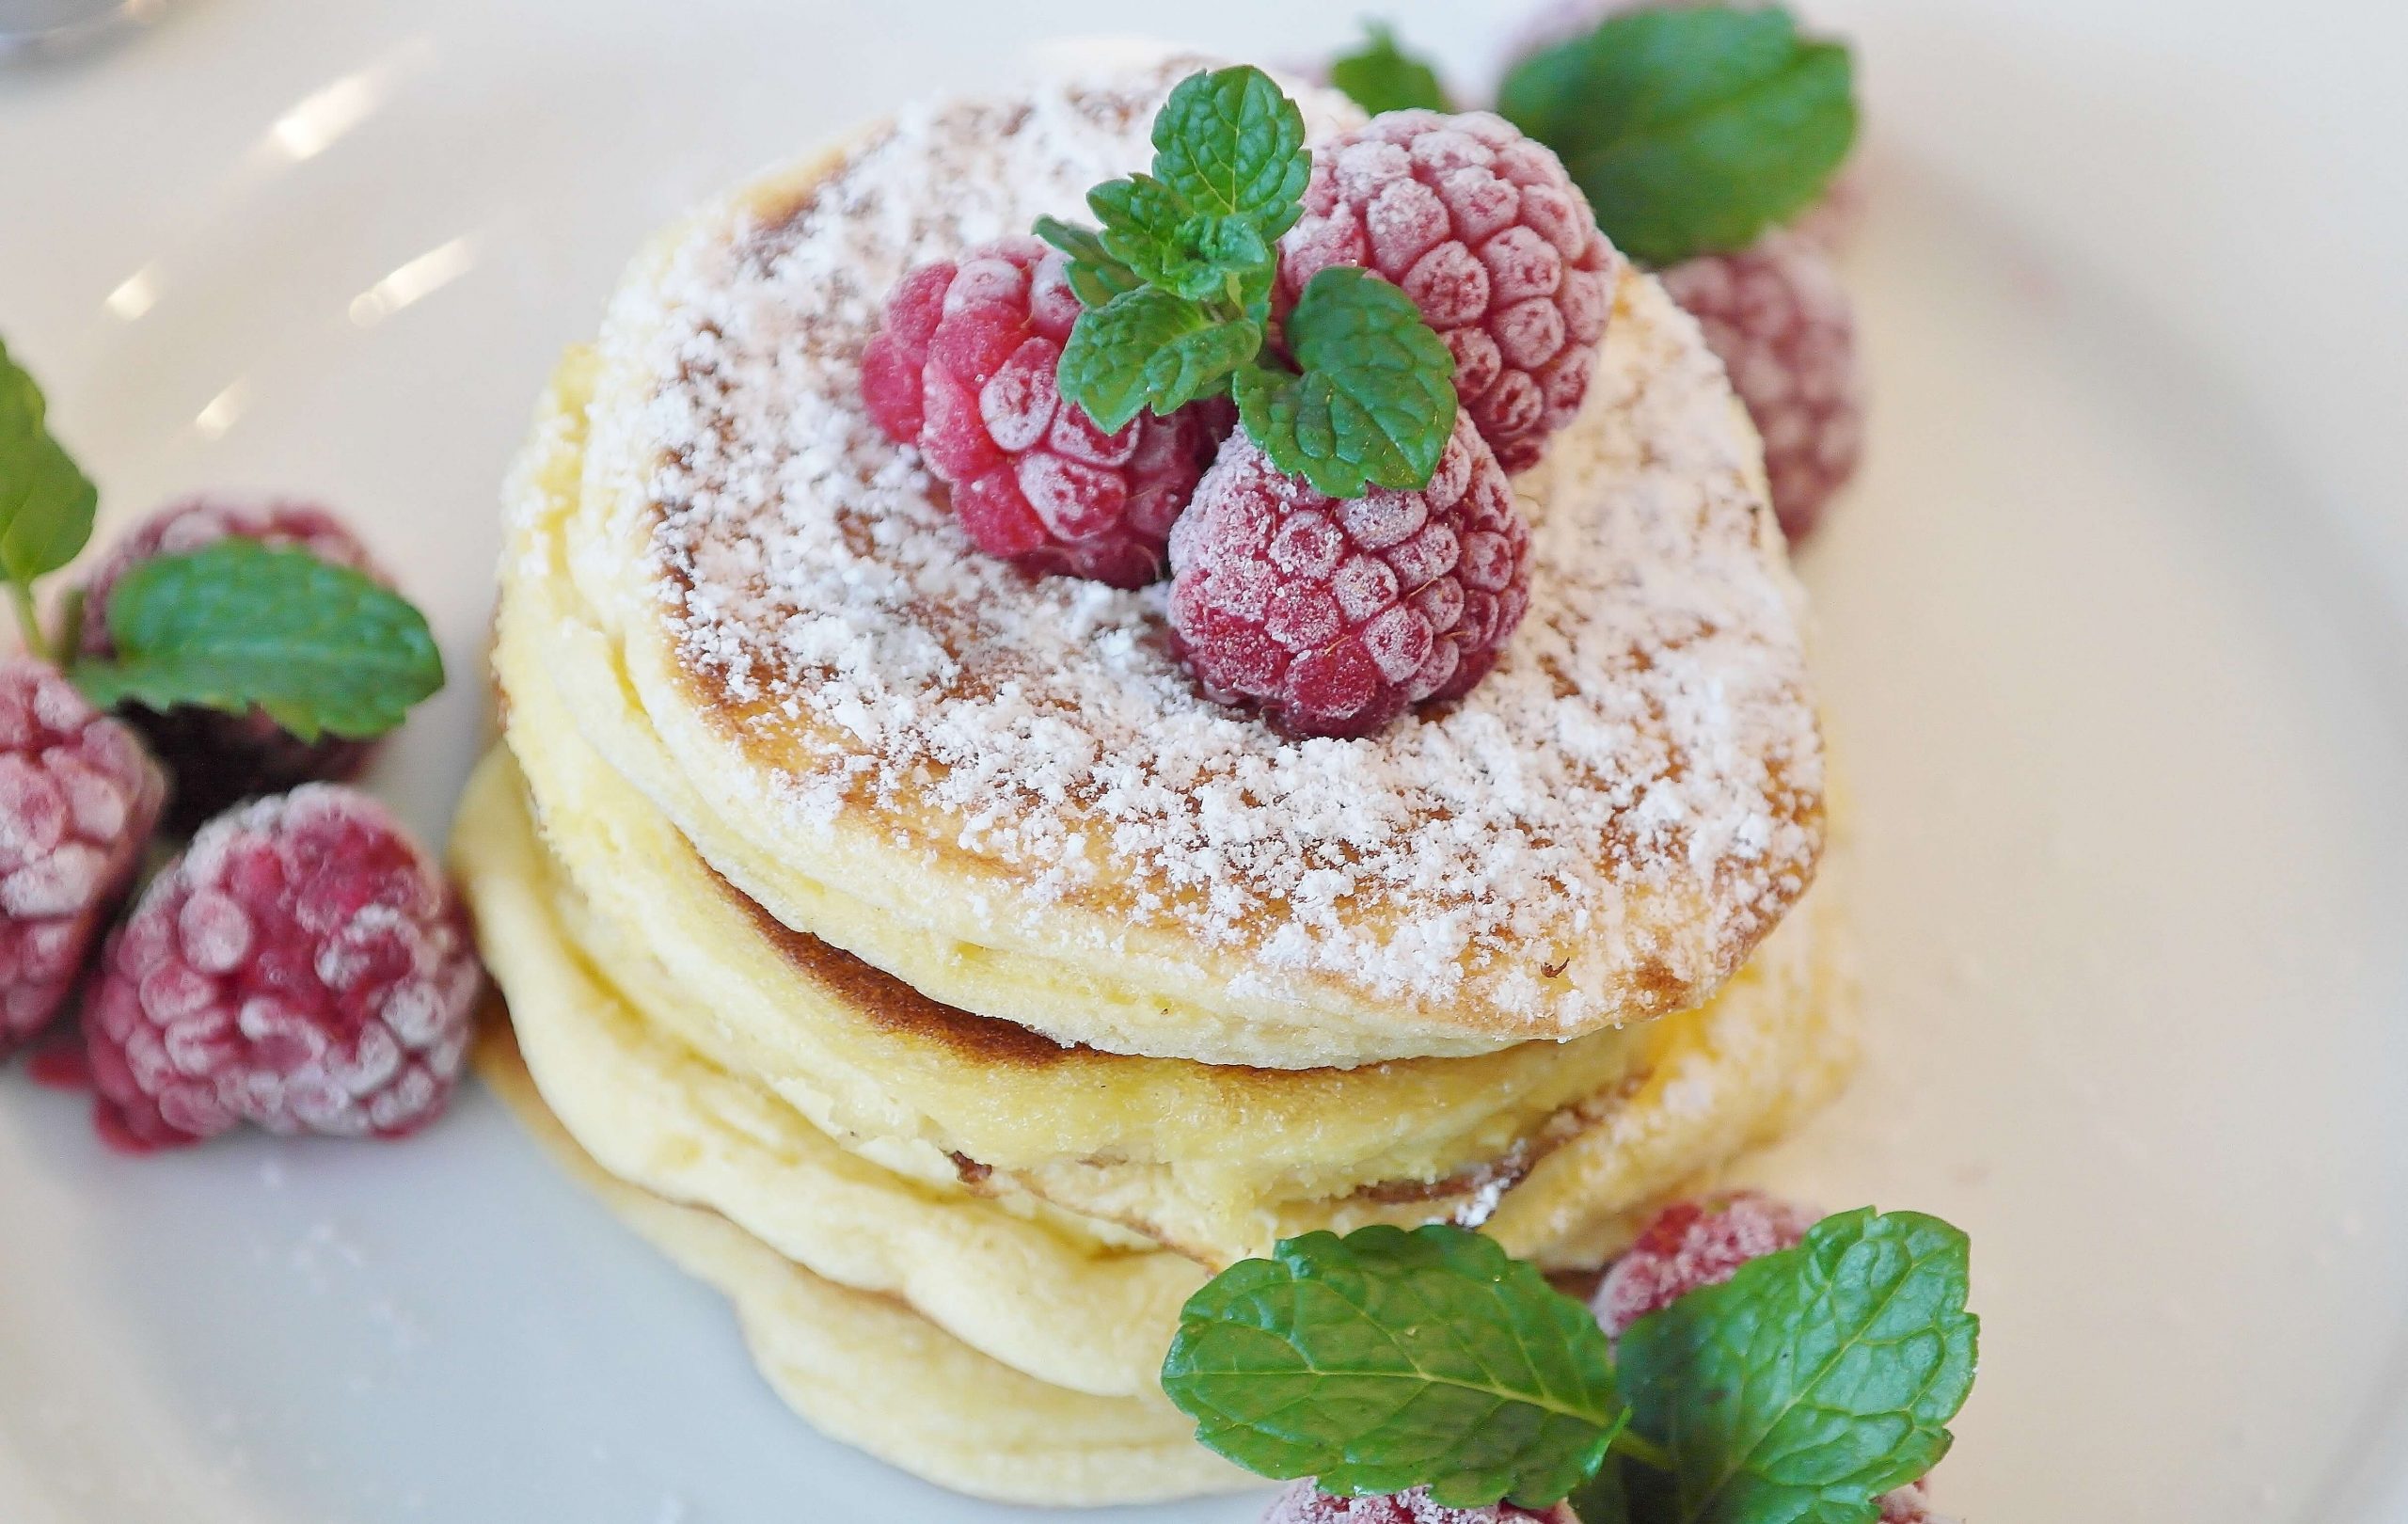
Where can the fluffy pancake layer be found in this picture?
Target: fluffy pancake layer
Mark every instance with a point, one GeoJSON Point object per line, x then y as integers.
{"type": "Point", "coordinates": [1007, 795]}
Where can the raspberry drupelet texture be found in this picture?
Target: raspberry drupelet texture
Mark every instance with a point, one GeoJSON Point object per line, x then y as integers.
{"type": "Point", "coordinates": [305, 967]}
{"type": "Point", "coordinates": [1332, 616]}
{"type": "Point", "coordinates": [1305, 1503]}
{"type": "Point", "coordinates": [79, 799]}
{"type": "Point", "coordinates": [217, 759]}
{"type": "Point", "coordinates": [1694, 1244]}
{"type": "Point", "coordinates": [963, 367]}
{"type": "Point", "coordinates": [1783, 324]}
{"type": "Point", "coordinates": [1485, 231]}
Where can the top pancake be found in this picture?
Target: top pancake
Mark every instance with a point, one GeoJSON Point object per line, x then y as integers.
{"type": "Point", "coordinates": [1006, 791]}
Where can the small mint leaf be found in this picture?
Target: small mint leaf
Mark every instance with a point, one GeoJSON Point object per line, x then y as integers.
{"type": "Point", "coordinates": [238, 625]}
{"type": "Point", "coordinates": [1389, 1360]}
{"type": "Point", "coordinates": [1381, 76]}
{"type": "Point", "coordinates": [1148, 348]}
{"type": "Point", "coordinates": [1603, 1498]}
{"type": "Point", "coordinates": [1691, 130]}
{"type": "Point", "coordinates": [46, 503]}
{"type": "Point", "coordinates": [1096, 277]}
{"type": "Point", "coordinates": [1232, 144]}
{"type": "Point", "coordinates": [1810, 1382]}
{"type": "Point", "coordinates": [1376, 401]}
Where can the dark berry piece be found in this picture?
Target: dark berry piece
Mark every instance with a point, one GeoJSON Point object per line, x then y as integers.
{"type": "Point", "coordinates": [303, 967]}
{"type": "Point", "coordinates": [217, 759]}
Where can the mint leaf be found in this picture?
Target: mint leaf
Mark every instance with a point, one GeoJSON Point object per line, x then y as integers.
{"type": "Point", "coordinates": [236, 625]}
{"type": "Point", "coordinates": [1376, 401]}
{"type": "Point", "coordinates": [1381, 76]}
{"type": "Point", "coordinates": [1096, 277]}
{"type": "Point", "coordinates": [1810, 1383]}
{"type": "Point", "coordinates": [1691, 130]}
{"type": "Point", "coordinates": [1231, 145]}
{"type": "Point", "coordinates": [1390, 1359]}
{"type": "Point", "coordinates": [46, 503]}
{"type": "Point", "coordinates": [1603, 1498]}
{"type": "Point", "coordinates": [1148, 348]}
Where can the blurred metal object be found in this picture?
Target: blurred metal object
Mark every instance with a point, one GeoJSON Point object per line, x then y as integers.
{"type": "Point", "coordinates": [32, 27]}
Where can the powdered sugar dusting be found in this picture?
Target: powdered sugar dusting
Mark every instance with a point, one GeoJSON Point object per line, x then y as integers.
{"type": "Point", "coordinates": [1634, 791]}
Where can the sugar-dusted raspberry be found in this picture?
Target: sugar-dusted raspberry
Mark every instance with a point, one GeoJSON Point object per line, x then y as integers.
{"type": "Point", "coordinates": [1305, 1503]}
{"type": "Point", "coordinates": [963, 367]}
{"type": "Point", "coordinates": [1694, 1244]}
{"type": "Point", "coordinates": [1485, 231]}
{"type": "Point", "coordinates": [217, 759]}
{"type": "Point", "coordinates": [1781, 321]}
{"type": "Point", "coordinates": [305, 966]}
{"type": "Point", "coordinates": [1910, 1504]}
{"type": "Point", "coordinates": [78, 799]}
{"type": "Point", "coordinates": [1332, 616]}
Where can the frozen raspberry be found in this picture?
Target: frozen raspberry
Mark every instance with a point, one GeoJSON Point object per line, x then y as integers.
{"type": "Point", "coordinates": [304, 966]}
{"type": "Point", "coordinates": [1485, 231]}
{"type": "Point", "coordinates": [217, 759]}
{"type": "Point", "coordinates": [1694, 1244]}
{"type": "Point", "coordinates": [963, 367]}
{"type": "Point", "coordinates": [78, 799]}
{"type": "Point", "coordinates": [1305, 1503]}
{"type": "Point", "coordinates": [1909, 1504]}
{"type": "Point", "coordinates": [1781, 323]}
{"type": "Point", "coordinates": [1332, 617]}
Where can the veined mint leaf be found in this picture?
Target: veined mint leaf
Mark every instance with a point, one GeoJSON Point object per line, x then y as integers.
{"type": "Point", "coordinates": [1812, 1382]}
{"type": "Point", "coordinates": [1231, 143]}
{"type": "Point", "coordinates": [1376, 401]}
{"type": "Point", "coordinates": [237, 624]}
{"type": "Point", "coordinates": [1149, 348]}
{"type": "Point", "coordinates": [1382, 77]}
{"type": "Point", "coordinates": [1389, 1360]}
{"type": "Point", "coordinates": [1691, 130]}
{"type": "Point", "coordinates": [46, 503]}
{"type": "Point", "coordinates": [1096, 277]}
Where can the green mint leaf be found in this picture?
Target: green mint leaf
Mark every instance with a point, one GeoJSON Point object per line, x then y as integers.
{"type": "Point", "coordinates": [1376, 401]}
{"type": "Point", "coordinates": [1810, 1383]}
{"type": "Point", "coordinates": [1691, 130]}
{"type": "Point", "coordinates": [1149, 348]}
{"type": "Point", "coordinates": [1603, 1498]}
{"type": "Point", "coordinates": [1381, 76]}
{"type": "Point", "coordinates": [1389, 1360]}
{"type": "Point", "coordinates": [46, 503]}
{"type": "Point", "coordinates": [1232, 144]}
{"type": "Point", "coordinates": [1096, 277]}
{"type": "Point", "coordinates": [236, 625]}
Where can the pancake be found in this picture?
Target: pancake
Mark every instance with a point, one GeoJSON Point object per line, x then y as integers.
{"type": "Point", "coordinates": [1006, 794]}
{"type": "Point", "coordinates": [868, 1371]}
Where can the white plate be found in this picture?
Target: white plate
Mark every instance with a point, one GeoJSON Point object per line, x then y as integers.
{"type": "Point", "coordinates": [2113, 647]}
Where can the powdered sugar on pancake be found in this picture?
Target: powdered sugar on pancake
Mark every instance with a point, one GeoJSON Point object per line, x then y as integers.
{"type": "Point", "coordinates": [1648, 739]}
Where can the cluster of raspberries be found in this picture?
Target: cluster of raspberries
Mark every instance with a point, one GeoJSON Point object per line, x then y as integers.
{"type": "Point", "coordinates": [303, 965]}
{"type": "Point", "coordinates": [1329, 618]}
{"type": "Point", "coordinates": [1688, 1246]}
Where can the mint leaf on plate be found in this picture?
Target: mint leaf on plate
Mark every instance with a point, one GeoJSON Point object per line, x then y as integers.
{"type": "Point", "coordinates": [1389, 1360]}
{"type": "Point", "coordinates": [1691, 130]}
{"type": "Point", "coordinates": [237, 624]}
{"type": "Point", "coordinates": [46, 503]}
{"type": "Point", "coordinates": [1148, 348]}
{"type": "Point", "coordinates": [1382, 77]}
{"type": "Point", "coordinates": [1232, 144]}
{"type": "Point", "coordinates": [1376, 401]}
{"type": "Point", "coordinates": [1810, 1382]}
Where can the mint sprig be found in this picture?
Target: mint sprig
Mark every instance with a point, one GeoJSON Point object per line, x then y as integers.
{"type": "Point", "coordinates": [1381, 76]}
{"type": "Point", "coordinates": [1798, 1392]}
{"type": "Point", "coordinates": [1810, 1382]}
{"type": "Point", "coordinates": [1176, 287]}
{"type": "Point", "coordinates": [1691, 130]}
{"type": "Point", "coordinates": [46, 501]}
{"type": "Point", "coordinates": [1389, 1360]}
{"type": "Point", "coordinates": [1374, 400]}
{"type": "Point", "coordinates": [238, 625]}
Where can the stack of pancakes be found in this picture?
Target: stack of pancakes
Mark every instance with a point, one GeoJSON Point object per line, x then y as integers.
{"type": "Point", "coordinates": [912, 951]}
